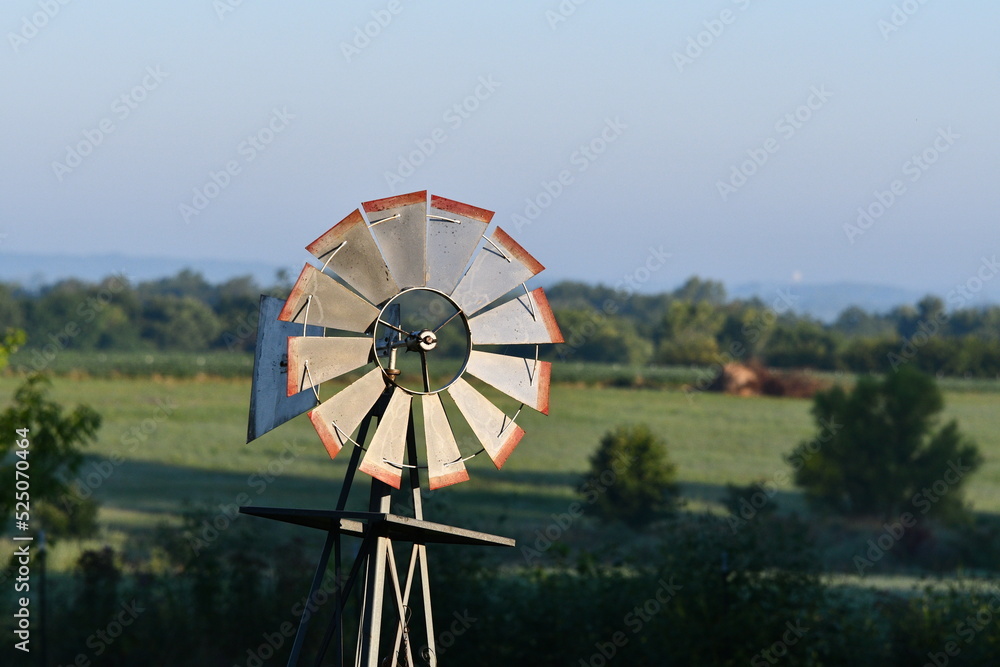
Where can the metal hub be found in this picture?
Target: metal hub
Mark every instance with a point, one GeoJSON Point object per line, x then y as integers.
{"type": "Point", "coordinates": [414, 322]}
{"type": "Point", "coordinates": [427, 340]}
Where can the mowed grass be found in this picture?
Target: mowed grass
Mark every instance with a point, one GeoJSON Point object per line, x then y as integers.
{"type": "Point", "coordinates": [183, 445]}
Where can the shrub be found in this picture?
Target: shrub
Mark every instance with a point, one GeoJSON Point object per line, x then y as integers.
{"type": "Point", "coordinates": [879, 452]}
{"type": "Point", "coordinates": [631, 479]}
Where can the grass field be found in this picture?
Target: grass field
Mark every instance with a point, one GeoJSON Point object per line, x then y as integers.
{"type": "Point", "coordinates": [182, 441]}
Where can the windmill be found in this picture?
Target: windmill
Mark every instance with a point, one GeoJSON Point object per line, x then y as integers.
{"type": "Point", "coordinates": [418, 294]}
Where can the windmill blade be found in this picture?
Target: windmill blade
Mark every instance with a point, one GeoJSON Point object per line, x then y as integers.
{"type": "Point", "coordinates": [350, 251]}
{"type": "Point", "coordinates": [389, 441]}
{"type": "Point", "coordinates": [338, 417]}
{"type": "Point", "coordinates": [499, 267]}
{"type": "Point", "coordinates": [526, 380]}
{"type": "Point", "coordinates": [331, 304]}
{"type": "Point", "coordinates": [269, 406]}
{"type": "Point", "coordinates": [399, 224]}
{"type": "Point", "coordinates": [498, 433]}
{"type": "Point", "coordinates": [313, 360]}
{"type": "Point", "coordinates": [453, 233]}
{"type": "Point", "coordinates": [528, 319]}
{"type": "Point", "coordinates": [444, 460]}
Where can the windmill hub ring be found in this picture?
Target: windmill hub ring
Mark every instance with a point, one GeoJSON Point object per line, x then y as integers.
{"type": "Point", "coordinates": [422, 340]}
{"type": "Point", "coordinates": [427, 340]}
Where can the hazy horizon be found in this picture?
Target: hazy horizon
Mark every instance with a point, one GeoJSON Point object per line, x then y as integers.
{"type": "Point", "coordinates": [752, 142]}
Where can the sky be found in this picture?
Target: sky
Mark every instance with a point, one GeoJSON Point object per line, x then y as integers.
{"type": "Point", "coordinates": [739, 140]}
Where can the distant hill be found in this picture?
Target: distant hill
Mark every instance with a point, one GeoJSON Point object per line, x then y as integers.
{"type": "Point", "coordinates": [826, 302]}
{"type": "Point", "coordinates": [35, 270]}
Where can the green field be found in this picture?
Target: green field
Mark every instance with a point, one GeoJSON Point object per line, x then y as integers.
{"type": "Point", "coordinates": [182, 441]}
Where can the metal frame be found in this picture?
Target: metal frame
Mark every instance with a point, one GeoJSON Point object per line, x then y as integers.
{"type": "Point", "coordinates": [385, 321]}
{"type": "Point", "coordinates": [388, 254]}
{"type": "Point", "coordinates": [379, 529]}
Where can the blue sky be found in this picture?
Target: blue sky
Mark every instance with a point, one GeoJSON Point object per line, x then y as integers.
{"type": "Point", "coordinates": [740, 137]}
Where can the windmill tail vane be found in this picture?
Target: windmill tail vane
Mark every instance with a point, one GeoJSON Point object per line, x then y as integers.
{"type": "Point", "coordinates": [411, 292]}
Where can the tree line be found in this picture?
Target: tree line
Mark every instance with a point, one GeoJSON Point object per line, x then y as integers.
{"type": "Point", "coordinates": [695, 324]}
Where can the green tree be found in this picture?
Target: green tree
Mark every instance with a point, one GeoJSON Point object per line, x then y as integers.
{"type": "Point", "coordinates": [879, 451]}
{"type": "Point", "coordinates": [592, 336]}
{"type": "Point", "coordinates": [53, 455]}
{"type": "Point", "coordinates": [803, 343]}
{"type": "Point", "coordinates": [697, 290]}
{"type": "Point", "coordinates": [631, 479]}
{"type": "Point", "coordinates": [11, 340]}
{"type": "Point", "coordinates": [179, 323]}
{"type": "Point", "coordinates": [688, 333]}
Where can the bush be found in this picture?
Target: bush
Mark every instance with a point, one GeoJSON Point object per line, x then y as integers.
{"type": "Point", "coordinates": [56, 437]}
{"type": "Point", "coordinates": [631, 478]}
{"type": "Point", "coordinates": [878, 453]}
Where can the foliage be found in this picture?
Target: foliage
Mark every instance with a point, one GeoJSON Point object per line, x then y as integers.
{"type": "Point", "coordinates": [802, 344]}
{"type": "Point", "coordinates": [701, 595]}
{"type": "Point", "coordinates": [54, 456]}
{"type": "Point", "coordinates": [878, 450]}
{"type": "Point", "coordinates": [692, 324]}
{"type": "Point", "coordinates": [601, 339]}
{"type": "Point", "coordinates": [11, 340]}
{"type": "Point", "coordinates": [635, 477]}
{"type": "Point", "coordinates": [688, 333]}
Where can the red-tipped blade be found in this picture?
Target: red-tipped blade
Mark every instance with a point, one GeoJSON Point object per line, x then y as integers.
{"type": "Point", "coordinates": [384, 458]}
{"type": "Point", "coordinates": [528, 319]}
{"type": "Point", "coordinates": [498, 434]}
{"type": "Point", "coordinates": [498, 268]}
{"type": "Point", "coordinates": [313, 360]}
{"type": "Point", "coordinates": [349, 250]}
{"type": "Point", "coordinates": [399, 224]}
{"type": "Point", "coordinates": [338, 417]}
{"type": "Point", "coordinates": [318, 299]}
{"type": "Point", "coordinates": [454, 230]}
{"type": "Point", "coordinates": [523, 379]}
{"type": "Point", "coordinates": [444, 460]}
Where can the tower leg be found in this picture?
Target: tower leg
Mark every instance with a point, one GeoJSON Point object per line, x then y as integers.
{"type": "Point", "coordinates": [371, 624]}
{"type": "Point", "coordinates": [324, 559]}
